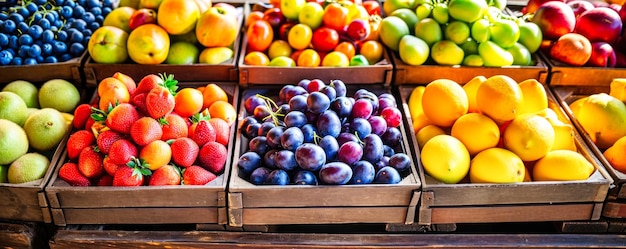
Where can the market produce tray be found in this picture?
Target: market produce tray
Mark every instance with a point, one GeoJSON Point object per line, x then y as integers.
{"type": "Point", "coordinates": [408, 74]}
{"type": "Point", "coordinates": [262, 205]}
{"type": "Point", "coordinates": [522, 202]}
{"type": "Point", "coordinates": [615, 206]}
{"type": "Point", "coordinates": [70, 70]}
{"type": "Point", "coordinates": [224, 72]}
{"type": "Point", "coordinates": [564, 74]}
{"type": "Point", "coordinates": [183, 204]}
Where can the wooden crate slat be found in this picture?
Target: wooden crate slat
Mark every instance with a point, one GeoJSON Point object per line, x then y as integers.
{"type": "Point", "coordinates": [516, 213]}
{"type": "Point", "coordinates": [152, 215]}
{"type": "Point", "coordinates": [614, 210]}
{"type": "Point", "coordinates": [323, 215]}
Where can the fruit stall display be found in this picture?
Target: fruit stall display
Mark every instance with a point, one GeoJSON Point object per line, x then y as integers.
{"type": "Point", "coordinates": [467, 134]}
{"type": "Point", "coordinates": [459, 39]}
{"type": "Point", "coordinates": [195, 40]}
{"type": "Point", "coordinates": [582, 39]}
{"type": "Point", "coordinates": [151, 151]}
{"type": "Point", "coordinates": [42, 40]}
{"type": "Point", "coordinates": [321, 147]}
{"type": "Point", "coordinates": [34, 121]}
{"type": "Point", "coordinates": [286, 41]}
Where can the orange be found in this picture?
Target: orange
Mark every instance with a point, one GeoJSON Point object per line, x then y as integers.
{"type": "Point", "coordinates": [212, 92]}
{"type": "Point", "coordinates": [157, 153]}
{"type": "Point", "coordinates": [308, 58]}
{"type": "Point", "coordinates": [223, 110]}
{"type": "Point", "coordinates": [372, 50]}
{"type": "Point", "coordinates": [188, 101]}
{"type": "Point", "coordinates": [178, 17]}
{"type": "Point", "coordinates": [109, 83]}
{"type": "Point", "coordinates": [256, 58]}
{"type": "Point", "coordinates": [346, 48]}
{"type": "Point", "coordinates": [112, 92]}
{"type": "Point", "coordinates": [130, 83]}
{"type": "Point", "coordinates": [253, 16]}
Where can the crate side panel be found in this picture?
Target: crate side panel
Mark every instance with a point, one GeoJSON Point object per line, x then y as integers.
{"type": "Point", "coordinates": [152, 215]}
{"type": "Point", "coordinates": [521, 213]}
{"type": "Point", "coordinates": [323, 215]}
{"type": "Point", "coordinates": [20, 203]}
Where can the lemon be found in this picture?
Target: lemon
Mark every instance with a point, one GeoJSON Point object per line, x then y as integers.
{"type": "Point", "coordinates": [615, 155]}
{"type": "Point", "coordinates": [428, 132]}
{"type": "Point", "coordinates": [496, 165]}
{"type": "Point", "coordinates": [476, 131]}
{"type": "Point", "coordinates": [500, 98]}
{"type": "Point", "coordinates": [575, 106]}
{"type": "Point", "coordinates": [617, 89]}
{"type": "Point", "coordinates": [446, 159]}
{"type": "Point", "coordinates": [562, 165]}
{"type": "Point", "coordinates": [535, 96]}
{"type": "Point", "coordinates": [530, 136]}
{"type": "Point", "coordinates": [420, 122]}
{"type": "Point", "coordinates": [603, 117]}
{"type": "Point", "coordinates": [564, 137]}
{"type": "Point", "coordinates": [470, 88]}
{"type": "Point", "coordinates": [444, 101]}
{"type": "Point", "coordinates": [415, 101]}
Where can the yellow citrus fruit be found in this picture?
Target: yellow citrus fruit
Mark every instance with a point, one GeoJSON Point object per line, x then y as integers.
{"type": "Point", "coordinates": [471, 87]}
{"type": "Point", "coordinates": [476, 131]}
{"type": "Point", "coordinates": [420, 122]}
{"type": "Point", "coordinates": [535, 96]}
{"type": "Point", "coordinates": [428, 132]}
{"type": "Point", "coordinates": [278, 48]}
{"type": "Point", "coordinates": [500, 98]}
{"type": "Point", "coordinates": [256, 58]}
{"type": "Point", "coordinates": [617, 89]}
{"type": "Point", "coordinates": [575, 106]}
{"type": "Point", "coordinates": [615, 155]}
{"type": "Point", "coordinates": [530, 136]}
{"type": "Point", "coordinates": [496, 165]}
{"type": "Point", "coordinates": [444, 101]}
{"type": "Point", "coordinates": [562, 165]}
{"type": "Point", "coordinates": [564, 138]}
{"type": "Point", "coordinates": [415, 101]}
{"type": "Point", "coordinates": [446, 159]}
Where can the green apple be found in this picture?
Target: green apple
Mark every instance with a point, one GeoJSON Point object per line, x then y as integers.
{"type": "Point", "coordinates": [467, 10]}
{"type": "Point", "coordinates": [216, 55]}
{"type": "Point", "coordinates": [429, 30]}
{"type": "Point", "coordinates": [504, 32]}
{"type": "Point", "coordinates": [480, 30]}
{"type": "Point", "coordinates": [530, 36]}
{"type": "Point", "coordinates": [470, 46]}
{"type": "Point", "coordinates": [473, 60]}
{"type": "Point", "coordinates": [282, 61]}
{"type": "Point", "coordinates": [521, 55]}
{"type": "Point", "coordinates": [423, 10]}
{"type": "Point", "coordinates": [413, 50]}
{"type": "Point", "coordinates": [291, 8]}
{"type": "Point", "coordinates": [183, 53]}
{"type": "Point", "coordinates": [446, 52]}
{"type": "Point", "coordinates": [359, 60]}
{"type": "Point", "coordinates": [493, 55]}
{"type": "Point", "coordinates": [408, 16]}
{"type": "Point", "coordinates": [391, 5]}
{"type": "Point", "coordinates": [130, 3]}
{"type": "Point", "coordinates": [189, 37]}
{"type": "Point", "coordinates": [441, 13]}
{"type": "Point", "coordinates": [108, 45]}
{"type": "Point", "coordinates": [392, 29]}
{"type": "Point", "coordinates": [457, 31]}
{"type": "Point", "coordinates": [119, 17]}
{"type": "Point", "coordinates": [311, 14]}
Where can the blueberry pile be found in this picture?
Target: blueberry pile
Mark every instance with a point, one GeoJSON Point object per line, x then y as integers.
{"type": "Point", "coordinates": [313, 133]}
{"type": "Point", "coordinates": [40, 31]}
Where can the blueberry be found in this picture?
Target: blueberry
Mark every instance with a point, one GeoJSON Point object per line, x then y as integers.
{"type": "Point", "coordinates": [34, 51]}
{"type": "Point", "coordinates": [9, 26]}
{"type": "Point", "coordinates": [67, 11]}
{"type": "Point", "coordinates": [69, 3]}
{"type": "Point", "coordinates": [23, 12]}
{"type": "Point", "coordinates": [5, 57]}
{"type": "Point", "coordinates": [89, 17]}
{"type": "Point", "coordinates": [30, 61]}
{"type": "Point", "coordinates": [4, 40]}
{"type": "Point", "coordinates": [66, 57]}
{"type": "Point", "coordinates": [17, 61]}
{"type": "Point", "coordinates": [4, 16]}
{"type": "Point", "coordinates": [79, 11]}
{"type": "Point", "coordinates": [79, 24]}
{"type": "Point", "coordinates": [46, 49]}
{"type": "Point", "coordinates": [96, 11]}
{"type": "Point", "coordinates": [62, 35]}
{"type": "Point", "coordinates": [31, 7]}
{"type": "Point", "coordinates": [35, 31]}
{"type": "Point", "coordinates": [42, 2]}
{"type": "Point", "coordinates": [14, 42]}
{"type": "Point", "coordinates": [16, 17]}
{"type": "Point", "coordinates": [26, 39]}
{"type": "Point", "coordinates": [106, 10]}
{"type": "Point", "coordinates": [75, 35]}
{"type": "Point", "coordinates": [59, 47]}
{"type": "Point", "coordinates": [47, 36]}
{"type": "Point", "coordinates": [22, 27]}
{"type": "Point", "coordinates": [36, 17]}
{"type": "Point", "coordinates": [23, 51]}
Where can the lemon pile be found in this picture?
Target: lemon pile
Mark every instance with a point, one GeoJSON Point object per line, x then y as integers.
{"type": "Point", "coordinates": [493, 130]}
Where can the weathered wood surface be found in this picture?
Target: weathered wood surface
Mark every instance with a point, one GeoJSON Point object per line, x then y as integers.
{"type": "Point", "coordinates": [23, 235]}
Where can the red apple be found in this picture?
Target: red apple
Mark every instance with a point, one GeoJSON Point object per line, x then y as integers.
{"type": "Point", "coordinates": [571, 48]}
{"type": "Point", "coordinates": [358, 29]}
{"type": "Point", "coordinates": [283, 31]}
{"type": "Point", "coordinates": [325, 39]}
{"type": "Point", "coordinates": [599, 24]}
{"type": "Point", "coordinates": [580, 6]}
{"type": "Point", "coordinates": [372, 7]}
{"type": "Point", "coordinates": [275, 17]}
{"type": "Point", "coordinates": [533, 5]}
{"type": "Point", "coordinates": [141, 17]}
{"type": "Point", "coordinates": [602, 55]}
{"type": "Point", "coordinates": [555, 19]}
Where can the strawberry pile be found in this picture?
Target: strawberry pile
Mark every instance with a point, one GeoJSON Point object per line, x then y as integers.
{"type": "Point", "coordinates": [133, 135]}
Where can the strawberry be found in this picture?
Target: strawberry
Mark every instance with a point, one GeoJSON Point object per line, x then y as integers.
{"type": "Point", "coordinates": [90, 163]}
{"type": "Point", "coordinates": [131, 175]}
{"type": "Point", "coordinates": [122, 151]}
{"type": "Point", "coordinates": [147, 83]}
{"type": "Point", "coordinates": [106, 138]}
{"type": "Point", "coordinates": [184, 151]}
{"type": "Point", "coordinates": [160, 100]}
{"type": "Point", "coordinates": [110, 167]}
{"type": "Point", "coordinates": [201, 131]}
{"type": "Point", "coordinates": [196, 175]}
{"type": "Point", "coordinates": [165, 175]}
{"type": "Point", "coordinates": [174, 127]}
{"type": "Point", "coordinates": [139, 101]}
{"type": "Point", "coordinates": [145, 130]}
{"type": "Point", "coordinates": [69, 173]}
{"type": "Point", "coordinates": [222, 130]}
{"type": "Point", "coordinates": [122, 117]}
{"type": "Point", "coordinates": [82, 113]}
{"type": "Point", "coordinates": [78, 141]}
{"type": "Point", "coordinates": [105, 180]}
{"type": "Point", "coordinates": [213, 156]}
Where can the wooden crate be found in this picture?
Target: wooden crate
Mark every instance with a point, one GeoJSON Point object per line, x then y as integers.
{"type": "Point", "coordinates": [615, 206]}
{"type": "Point", "coordinates": [183, 204]}
{"type": "Point", "coordinates": [23, 235]}
{"type": "Point", "coordinates": [523, 202]}
{"type": "Point", "coordinates": [261, 205]}
{"type": "Point", "coordinates": [224, 72]}
{"type": "Point", "coordinates": [70, 70]}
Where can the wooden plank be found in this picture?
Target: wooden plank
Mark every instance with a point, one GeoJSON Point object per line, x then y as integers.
{"type": "Point", "coordinates": [152, 215]}
{"type": "Point", "coordinates": [614, 210]}
{"type": "Point", "coordinates": [26, 235]}
{"type": "Point", "coordinates": [323, 215]}
{"type": "Point", "coordinates": [599, 226]}
{"type": "Point", "coordinates": [512, 213]}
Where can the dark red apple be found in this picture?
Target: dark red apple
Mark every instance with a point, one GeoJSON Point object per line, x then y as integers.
{"type": "Point", "coordinates": [533, 5]}
{"type": "Point", "coordinates": [358, 29]}
{"type": "Point", "coordinates": [580, 6]}
{"type": "Point", "coordinates": [141, 17]}
{"type": "Point", "coordinates": [284, 30]}
{"type": "Point", "coordinates": [275, 17]}
{"type": "Point", "coordinates": [602, 55]}
{"type": "Point", "coordinates": [599, 24]}
{"type": "Point", "coordinates": [555, 19]}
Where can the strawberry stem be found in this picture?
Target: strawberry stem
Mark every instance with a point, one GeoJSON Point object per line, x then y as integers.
{"type": "Point", "coordinates": [169, 83]}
